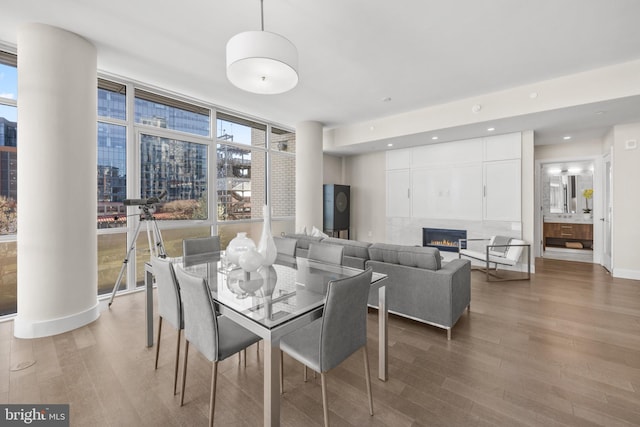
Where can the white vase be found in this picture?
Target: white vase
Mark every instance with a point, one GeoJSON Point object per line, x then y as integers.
{"type": "Point", "coordinates": [250, 260]}
{"type": "Point", "coordinates": [267, 246]}
{"type": "Point", "coordinates": [239, 244]}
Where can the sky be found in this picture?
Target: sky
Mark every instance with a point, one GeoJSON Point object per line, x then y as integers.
{"type": "Point", "coordinates": [8, 89]}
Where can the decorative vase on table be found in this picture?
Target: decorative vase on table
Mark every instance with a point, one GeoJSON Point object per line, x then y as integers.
{"type": "Point", "coordinates": [237, 246]}
{"type": "Point", "coordinates": [267, 246]}
{"type": "Point", "coordinates": [250, 260]}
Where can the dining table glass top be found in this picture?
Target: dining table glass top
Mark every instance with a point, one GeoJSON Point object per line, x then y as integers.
{"type": "Point", "coordinates": [272, 295]}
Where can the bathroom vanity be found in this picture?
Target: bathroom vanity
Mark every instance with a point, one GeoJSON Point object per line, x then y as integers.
{"type": "Point", "coordinates": [567, 231]}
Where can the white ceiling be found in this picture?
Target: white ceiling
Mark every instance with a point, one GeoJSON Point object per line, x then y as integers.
{"type": "Point", "coordinates": [353, 54]}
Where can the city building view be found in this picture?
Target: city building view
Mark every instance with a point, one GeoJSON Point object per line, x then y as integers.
{"type": "Point", "coordinates": [173, 141]}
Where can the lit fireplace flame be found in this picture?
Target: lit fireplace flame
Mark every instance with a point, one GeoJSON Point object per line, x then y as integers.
{"type": "Point", "coordinates": [443, 243]}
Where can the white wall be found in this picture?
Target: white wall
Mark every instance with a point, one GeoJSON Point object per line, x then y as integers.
{"type": "Point", "coordinates": [626, 202]}
{"type": "Point", "coordinates": [332, 170]}
{"type": "Point", "coordinates": [366, 176]}
{"type": "Point", "coordinates": [569, 150]}
{"type": "Point", "coordinates": [528, 192]}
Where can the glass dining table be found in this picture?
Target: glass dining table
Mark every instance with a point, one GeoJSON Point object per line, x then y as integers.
{"type": "Point", "coordinates": [273, 302]}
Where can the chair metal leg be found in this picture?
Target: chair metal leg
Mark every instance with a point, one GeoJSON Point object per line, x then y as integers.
{"type": "Point", "coordinates": [448, 334]}
{"type": "Point", "coordinates": [281, 372]}
{"type": "Point", "coordinates": [242, 355]}
{"type": "Point", "coordinates": [325, 401]}
{"type": "Point", "coordinates": [367, 375]}
{"type": "Point", "coordinates": [158, 341]}
{"type": "Point", "coordinates": [212, 400]}
{"type": "Point", "coordinates": [184, 370]}
{"type": "Point", "coordinates": [175, 373]}
{"type": "Point", "coordinates": [304, 374]}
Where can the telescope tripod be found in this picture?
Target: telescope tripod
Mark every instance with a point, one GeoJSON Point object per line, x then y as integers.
{"type": "Point", "coordinates": [156, 245]}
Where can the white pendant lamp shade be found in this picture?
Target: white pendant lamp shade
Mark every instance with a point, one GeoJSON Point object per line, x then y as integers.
{"type": "Point", "coordinates": [262, 62]}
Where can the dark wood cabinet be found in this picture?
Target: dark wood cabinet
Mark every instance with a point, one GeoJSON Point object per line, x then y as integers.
{"type": "Point", "coordinates": [558, 234]}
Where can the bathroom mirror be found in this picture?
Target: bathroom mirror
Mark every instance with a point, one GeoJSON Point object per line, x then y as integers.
{"type": "Point", "coordinates": [564, 187]}
{"type": "Point", "coordinates": [563, 196]}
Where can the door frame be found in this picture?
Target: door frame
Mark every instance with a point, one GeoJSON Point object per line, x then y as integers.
{"type": "Point", "coordinates": [607, 212]}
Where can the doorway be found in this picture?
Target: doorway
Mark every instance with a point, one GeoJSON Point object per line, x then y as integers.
{"type": "Point", "coordinates": [566, 220]}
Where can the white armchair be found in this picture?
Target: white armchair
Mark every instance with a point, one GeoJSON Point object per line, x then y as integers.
{"type": "Point", "coordinates": [500, 251]}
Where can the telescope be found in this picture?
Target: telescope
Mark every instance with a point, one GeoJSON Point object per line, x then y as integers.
{"type": "Point", "coordinates": [145, 202]}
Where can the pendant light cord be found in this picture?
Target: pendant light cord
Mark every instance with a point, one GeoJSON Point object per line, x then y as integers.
{"type": "Point", "coordinates": [262, 14]}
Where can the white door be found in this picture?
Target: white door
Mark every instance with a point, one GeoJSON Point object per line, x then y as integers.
{"type": "Point", "coordinates": [398, 193]}
{"type": "Point", "coordinates": [606, 212]}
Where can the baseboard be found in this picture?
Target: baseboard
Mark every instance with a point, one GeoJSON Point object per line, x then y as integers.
{"type": "Point", "coordinates": [624, 273]}
{"type": "Point", "coordinates": [24, 328]}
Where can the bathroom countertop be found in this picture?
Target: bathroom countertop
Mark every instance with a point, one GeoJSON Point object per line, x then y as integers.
{"type": "Point", "coordinates": [568, 218]}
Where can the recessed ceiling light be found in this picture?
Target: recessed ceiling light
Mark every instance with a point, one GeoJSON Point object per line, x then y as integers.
{"type": "Point", "coordinates": [575, 170]}
{"type": "Point", "coordinates": [599, 112]}
{"type": "Point", "coordinates": [491, 129]}
{"type": "Point", "coordinates": [389, 145]}
{"type": "Point", "coordinates": [566, 137]}
{"type": "Point", "coordinates": [533, 95]}
{"type": "Point", "coordinates": [434, 137]}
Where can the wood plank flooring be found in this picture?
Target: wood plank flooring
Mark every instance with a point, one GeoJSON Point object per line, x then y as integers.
{"type": "Point", "coordinates": [561, 349]}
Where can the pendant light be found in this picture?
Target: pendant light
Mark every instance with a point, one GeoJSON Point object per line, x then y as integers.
{"type": "Point", "coordinates": [262, 62]}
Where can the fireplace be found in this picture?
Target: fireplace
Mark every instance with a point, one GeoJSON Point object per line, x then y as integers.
{"type": "Point", "coordinates": [443, 238]}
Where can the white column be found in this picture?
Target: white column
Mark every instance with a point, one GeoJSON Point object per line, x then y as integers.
{"type": "Point", "coordinates": [57, 241]}
{"type": "Point", "coordinates": [308, 175]}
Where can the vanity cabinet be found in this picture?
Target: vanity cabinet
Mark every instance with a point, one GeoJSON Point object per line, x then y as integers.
{"type": "Point", "coordinates": [558, 234]}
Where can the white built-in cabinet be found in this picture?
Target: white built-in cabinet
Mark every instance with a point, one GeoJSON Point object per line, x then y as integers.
{"type": "Point", "coordinates": [399, 193]}
{"type": "Point", "coordinates": [399, 183]}
{"type": "Point", "coordinates": [476, 179]}
{"type": "Point", "coordinates": [501, 190]}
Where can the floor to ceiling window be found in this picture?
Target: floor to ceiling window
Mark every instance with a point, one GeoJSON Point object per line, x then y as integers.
{"type": "Point", "coordinates": [112, 182]}
{"type": "Point", "coordinates": [215, 171]}
{"type": "Point", "coordinates": [8, 182]}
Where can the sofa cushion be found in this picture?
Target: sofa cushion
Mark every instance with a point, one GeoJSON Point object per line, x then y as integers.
{"type": "Point", "coordinates": [411, 256]}
{"type": "Point", "coordinates": [352, 248]}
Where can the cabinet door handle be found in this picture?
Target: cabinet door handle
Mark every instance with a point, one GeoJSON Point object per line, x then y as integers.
{"type": "Point", "coordinates": [484, 190]}
{"type": "Point", "coordinates": [408, 193]}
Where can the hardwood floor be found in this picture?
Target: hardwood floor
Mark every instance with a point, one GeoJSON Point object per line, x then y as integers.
{"type": "Point", "coordinates": [561, 349]}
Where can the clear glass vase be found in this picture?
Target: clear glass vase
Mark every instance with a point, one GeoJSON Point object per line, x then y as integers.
{"type": "Point", "coordinates": [267, 246]}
